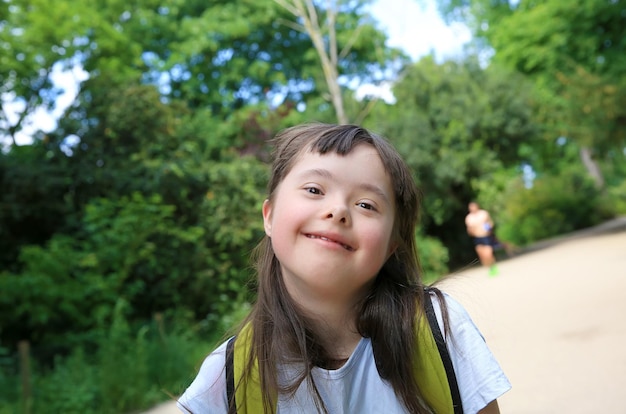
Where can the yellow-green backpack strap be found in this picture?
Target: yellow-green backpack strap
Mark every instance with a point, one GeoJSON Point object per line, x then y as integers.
{"type": "Point", "coordinates": [243, 393]}
{"type": "Point", "coordinates": [433, 367]}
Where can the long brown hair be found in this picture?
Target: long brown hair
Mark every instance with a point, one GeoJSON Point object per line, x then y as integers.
{"type": "Point", "coordinates": [387, 315]}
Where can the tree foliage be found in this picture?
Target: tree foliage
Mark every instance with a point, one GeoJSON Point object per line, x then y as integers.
{"type": "Point", "coordinates": [34, 37]}
{"type": "Point", "coordinates": [141, 207]}
{"type": "Point", "coordinates": [149, 189]}
{"type": "Point", "coordinates": [576, 55]}
{"type": "Point", "coordinates": [554, 205]}
{"type": "Point", "coordinates": [455, 123]}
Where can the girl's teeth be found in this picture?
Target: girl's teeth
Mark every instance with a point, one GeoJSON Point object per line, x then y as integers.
{"type": "Point", "coordinates": [329, 240]}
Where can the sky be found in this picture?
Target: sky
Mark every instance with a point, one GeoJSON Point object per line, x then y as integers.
{"type": "Point", "coordinates": [416, 27]}
{"type": "Point", "coordinates": [412, 25]}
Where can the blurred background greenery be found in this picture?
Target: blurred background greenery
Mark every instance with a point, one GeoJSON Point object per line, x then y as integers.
{"type": "Point", "coordinates": [125, 232]}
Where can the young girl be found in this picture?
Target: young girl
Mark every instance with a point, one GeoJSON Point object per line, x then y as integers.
{"type": "Point", "coordinates": [336, 325]}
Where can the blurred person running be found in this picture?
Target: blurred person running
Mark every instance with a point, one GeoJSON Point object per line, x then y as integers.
{"type": "Point", "coordinates": [480, 228]}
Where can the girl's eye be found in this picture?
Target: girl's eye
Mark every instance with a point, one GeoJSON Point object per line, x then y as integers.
{"type": "Point", "coordinates": [313, 190]}
{"type": "Point", "coordinates": [366, 206]}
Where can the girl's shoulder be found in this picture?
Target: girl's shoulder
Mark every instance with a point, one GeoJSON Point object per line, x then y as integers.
{"type": "Point", "coordinates": [479, 376]}
{"type": "Point", "coordinates": [455, 313]}
{"type": "Point", "coordinates": [457, 326]}
{"type": "Point", "coordinates": [207, 392]}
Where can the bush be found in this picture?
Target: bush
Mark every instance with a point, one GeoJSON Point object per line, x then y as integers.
{"type": "Point", "coordinates": [133, 369]}
{"type": "Point", "coordinates": [554, 205]}
{"type": "Point", "coordinates": [433, 256]}
{"type": "Point", "coordinates": [71, 388]}
{"type": "Point", "coordinates": [615, 200]}
{"type": "Point", "coordinates": [9, 382]}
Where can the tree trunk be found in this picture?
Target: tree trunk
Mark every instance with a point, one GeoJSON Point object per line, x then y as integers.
{"type": "Point", "coordinates": [592, 167]}
{"type": "Point", "coordinates": [305, 9]}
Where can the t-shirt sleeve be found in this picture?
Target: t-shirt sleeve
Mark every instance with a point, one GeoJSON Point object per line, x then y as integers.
{"type": "Point", "coordinates": [207, 392]}
{"type": "Point", "coordinates": [478, 374]}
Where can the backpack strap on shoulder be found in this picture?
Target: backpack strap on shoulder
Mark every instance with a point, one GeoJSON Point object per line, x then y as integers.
{"type": "Point", "coordinates": [443, 351]}
{"type": "Point", "coordinates": [432, 374]}
{"type": "Point", "coordinates": [230, 375]}
{"type": "Point", "coordinates": [243, 385]}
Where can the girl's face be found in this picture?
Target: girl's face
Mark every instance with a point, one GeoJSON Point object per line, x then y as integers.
{"type": "Point", "coordinates": [331, 222]}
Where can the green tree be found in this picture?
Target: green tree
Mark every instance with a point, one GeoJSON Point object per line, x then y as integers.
{"type": "Point", "coordinates": [34, 37]}
{"type": "Point", "coordinates": [145, 193]}
{"type": "Point", "coordinates": [575, 55]}
{"type": "Point", "coordinates": [147, 207]}
{"type": "Point", "coordinates": [339, 34]}
{"type": "Point", "coordinates": [554, 205]}
{"type": "Point", "coordinates": [217, 56]}
{"type": "Point", "coordinates": [33, 203]}
{"type": "Point", "coordinates": [455, 123]}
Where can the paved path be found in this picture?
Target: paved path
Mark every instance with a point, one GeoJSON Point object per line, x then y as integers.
{"type": "Point", "coordinates": [556, 320]}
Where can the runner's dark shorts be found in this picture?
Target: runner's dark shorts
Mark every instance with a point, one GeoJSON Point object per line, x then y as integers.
{"type": "Point", "coordinates": [486, 241]}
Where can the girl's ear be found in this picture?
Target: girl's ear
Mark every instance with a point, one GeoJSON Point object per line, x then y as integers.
{"type": "Point", "coordinates": [394, 243]}
{"type": "Point", "coordinates": [267, 217]}
{"type": "Point", "coordinates": [393, 246]}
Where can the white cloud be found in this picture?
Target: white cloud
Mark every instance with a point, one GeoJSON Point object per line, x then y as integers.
{"type": "Point", "coordinates": [382, 91]}
{"type": "Point", "coordinates": [418, 28]}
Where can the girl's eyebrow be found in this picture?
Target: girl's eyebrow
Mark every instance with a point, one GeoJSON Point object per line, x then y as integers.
{"type": "Point", "coordinates": [321, 172]}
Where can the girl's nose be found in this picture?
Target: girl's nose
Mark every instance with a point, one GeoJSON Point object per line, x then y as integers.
{"type": "Point", "coordinates": [339, 213]}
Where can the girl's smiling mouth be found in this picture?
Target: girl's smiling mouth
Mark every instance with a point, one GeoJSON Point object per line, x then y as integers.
{"type": "Point", "coordinates": [328, 239]}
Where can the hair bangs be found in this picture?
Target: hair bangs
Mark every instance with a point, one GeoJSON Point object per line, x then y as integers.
{"type": "Point", "coordinates": [340, 140]}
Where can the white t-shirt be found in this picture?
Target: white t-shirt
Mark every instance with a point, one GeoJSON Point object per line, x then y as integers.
{"type": "Point", "coordinates": [356, 387]}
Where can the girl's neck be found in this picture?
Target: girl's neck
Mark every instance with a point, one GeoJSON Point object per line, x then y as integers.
{"type": "Point", "coordinates": [334, 322]}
